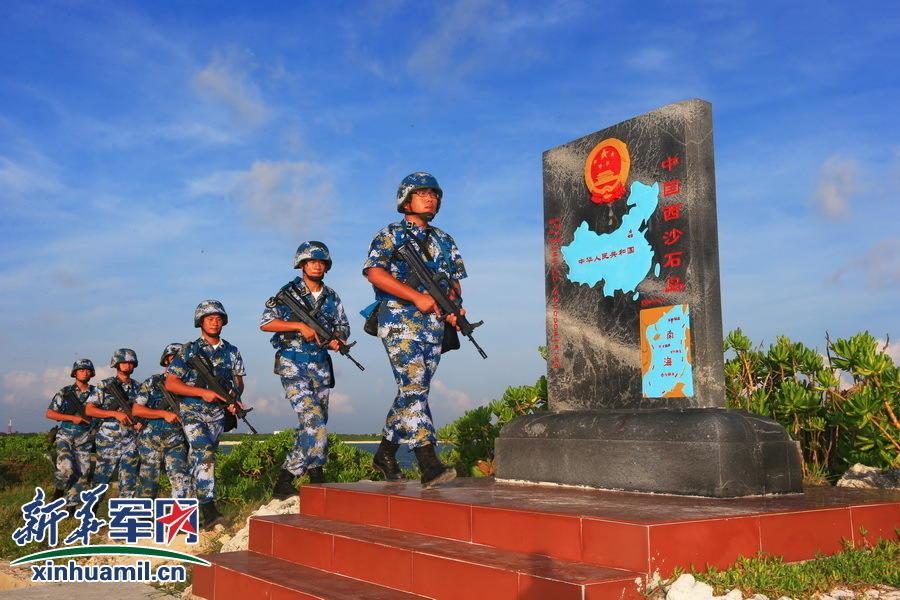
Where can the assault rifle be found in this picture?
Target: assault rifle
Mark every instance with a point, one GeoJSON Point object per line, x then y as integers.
{"type": "Point", "coordinates": [170, 402]}
{"type": "Point", "coordinates": [210, 381]}
{"type": "Point", "coordinates": [432, 282]}
{"type": "Point", "coordinates": [73, 403]}
{"type": "Point", "coordinates": [73, 406]}
{"type": "Point", "coordinates": [120, 399]}
{"type": "Point", "coordinates": [289, 296]}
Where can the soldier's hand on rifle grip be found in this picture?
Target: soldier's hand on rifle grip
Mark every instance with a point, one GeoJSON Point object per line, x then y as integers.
{"type": "Point", "coordinates": [307, 332]}
{"type": "Point", "coordinates": [78, 420]}
{"type": "Point", "coordinates": [426, 304]}
{"type": "Point", "coordinates": [233, 408]}
{"type": "Point", "coordinates": [138, 426]}
{"type": "Point", "coordinates": [123, 418]}
{"type": "Point", "coordinates": [170, 417]}
{"type": "Point", "coordinates": [451, 318]}
{"type": "Point", "coordinates": [210, 396]}
{"type": "Point", "coordinates": [335, 345]}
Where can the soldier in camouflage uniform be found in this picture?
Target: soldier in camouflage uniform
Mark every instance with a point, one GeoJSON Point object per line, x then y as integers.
{"type": "Point", "coordinates": [116, 439]}
{"type": "Point", "coordinates": [410, 324]}
{"type": "Point", "coordinates": [75, 437]}
{"type": "Point", "coordinates": [305, 366]}
{"type": "Point", "coordinates": [163, 438]}
{"type": "Point", "coordinates": [202, 412]}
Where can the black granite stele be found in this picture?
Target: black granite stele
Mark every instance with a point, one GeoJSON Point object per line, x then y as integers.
{"type": "Point", "coordinates": [634, 326]}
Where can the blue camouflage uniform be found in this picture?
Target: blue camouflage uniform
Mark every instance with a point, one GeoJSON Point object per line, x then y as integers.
{"type": "Point", "coordinates": [307, 376]}
{"type": "Point", "coordinates": [160, 441]}
{"type": "Point", "coordinates": [412, 339]}
{"type": "Point", "coordinates": [74, 445]}
{"type": "Point", "coordinates": [204, 421]}
{"type": "Point", "coordinates": [116, 444]}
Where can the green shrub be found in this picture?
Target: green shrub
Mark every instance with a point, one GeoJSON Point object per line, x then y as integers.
{"type": "Point", "coordinates": [841, 407]}
{"type": "Point", "coordinates": [473, 434]}
{"type": "Point", "coordinates": [25, 459]}
{"type": "Point", "coordinates": [853, 567]}
{"type": "Point", "coordinates": [248, 472]}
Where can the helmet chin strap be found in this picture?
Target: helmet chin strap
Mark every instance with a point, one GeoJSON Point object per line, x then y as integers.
{"type": "Point", "coordinates": [425, 216]}
{"type": "Point", "coordinates": [316, 278]}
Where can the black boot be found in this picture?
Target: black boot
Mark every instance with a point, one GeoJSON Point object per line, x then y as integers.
{"type": "Point", "coordinates": [209, 515]}
{"type": "Point", "coordinates": [434, 472]}
{"type": "Point", "coordinates": [284, 487]}
{"type": "Point", "coordinates": [386, 461]}
{"type": "Point", "coordinates": [316, 475]}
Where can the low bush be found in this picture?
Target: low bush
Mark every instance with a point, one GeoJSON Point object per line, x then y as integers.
{"type": "Point", "coordinates": [248, 472]}
{"type": "Point", "coordinates": [855, 568]}
{"type": "Point", "coordinates": [474, 433]}
{"type": "Point", "coordinates": [25, 459]}
{"type": "Point", "coordinates": [841, 406]}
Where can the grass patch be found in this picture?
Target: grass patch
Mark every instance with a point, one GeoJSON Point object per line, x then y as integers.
{"type": "Point", "coordinates": [853, 568]}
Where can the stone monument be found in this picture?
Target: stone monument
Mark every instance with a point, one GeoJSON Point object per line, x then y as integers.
{"type": "Point", "coordinates": [634, 324]}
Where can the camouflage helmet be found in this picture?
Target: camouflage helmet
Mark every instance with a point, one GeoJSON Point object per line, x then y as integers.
{"type": "Point", "coordinates": [169, 350]}
{"type": "Point", "coordinates": [123, 355]}
{"type": "Point", "coordinates": [312, 250]}
{"type": "Point", "coordinates": [417, 181]}
{"type": "Point", "coordinates": [209, 307]}
{"type": "Point", "coordinates": [82, 363]}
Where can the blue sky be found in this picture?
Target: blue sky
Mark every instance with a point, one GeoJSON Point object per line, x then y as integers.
{"type": "Point", "coordinates": [154, 155]}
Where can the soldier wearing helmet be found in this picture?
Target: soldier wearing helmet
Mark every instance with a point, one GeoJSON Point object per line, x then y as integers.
{"type": "Point", "coordinates": [116, 439]}
{"type": "Point", "coordinates": [410, 324]}
{"type": "Point", "coordinates": [304, 365]}
{"type": "Point", "coordinates": [75, 435]}
{"type": "Point", "coordinates": [202, 412]}
{"type": "Point", "coordinates": [163, 438]}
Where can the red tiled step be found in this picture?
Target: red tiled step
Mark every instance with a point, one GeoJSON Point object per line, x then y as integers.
{"type": "Point", "coordinates": [252, 576]}
{"type": "Point", "coordinates": [636, 532]}
{"type": "Point", "coordinates": [432, 566]}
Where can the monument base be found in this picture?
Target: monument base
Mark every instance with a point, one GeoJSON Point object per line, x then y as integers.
{"type": "Point", "coordinates": [694, 451]}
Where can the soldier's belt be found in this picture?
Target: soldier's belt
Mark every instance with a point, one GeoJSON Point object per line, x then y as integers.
{"type": "Point", "coordinates": [304, 356]}
{"type": "Point", "coordinates": [75, 426]}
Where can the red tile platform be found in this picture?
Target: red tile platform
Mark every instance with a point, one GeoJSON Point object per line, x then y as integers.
{"type": "Point", "coordinates": [476, 538]}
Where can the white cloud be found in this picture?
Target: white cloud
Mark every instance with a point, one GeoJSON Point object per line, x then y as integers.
{"type": "Point", "coordinates": [17, 382]}
{"type": "Point", "coordinates": [20, 387]}
{"type": "Point", "coordinates": [467, 33]}
{"type": "Point", "coordinates": [462, 23]}
{"type": "Point", "coordinates": [457, 398]}
{"type": "Point", "coordinates": [837, 183]}
{"type": "Point", "coordinates": [264, 405]}
{"type": "Point", "coordinates": [879, 267]}
{"type": "Point", "coordinates": [19, 178]}
{"type": "Point", "coordinates": [288, 195]}
{"type": "Point", "coordinates": [226, 81]}
{"type": "Point", "coordinates": [649, 59]}
{"type": "Point", "coordinates": [891, 348]}
{"type": "Point", "coordinates": [339, 403]}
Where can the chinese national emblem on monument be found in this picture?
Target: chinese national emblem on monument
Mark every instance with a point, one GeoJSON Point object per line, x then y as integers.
{"type": "Point", "coordinates": [634, 326]}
